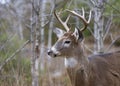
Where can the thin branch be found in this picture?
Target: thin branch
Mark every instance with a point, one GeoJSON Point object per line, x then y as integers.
{"type": "Point", "coordinates": [112, 43]}
{"type": "Point", "coordinates": [93, 2]}
{"type": "Point", "coordinates": [91, 31]}
{"type": "Point", "coordinates": [116, 9]}
{"type": "Point", "coordinates": [34, 9]}
{"type": "Point", "coordinates": [88, 48]}
{"type": "Point", "coordinates": [107, 28]}
{"type": "Point", "coordinates": [9, 38]}
{"type": "Point", "coordinates": [69, 5]}
{"type": "Point", "coordinates": [13, 55]}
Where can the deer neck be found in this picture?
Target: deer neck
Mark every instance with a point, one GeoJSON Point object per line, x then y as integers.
{"type": "Point", "coordinates": [77, 58]}
{"type": "Point", "coordinates": [77, 63]}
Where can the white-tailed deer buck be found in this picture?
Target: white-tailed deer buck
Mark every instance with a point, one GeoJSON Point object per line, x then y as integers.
{"type": "Point", "coordinates": [95, 70]}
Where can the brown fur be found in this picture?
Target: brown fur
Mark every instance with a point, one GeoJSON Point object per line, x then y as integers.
{"type": "Point", "coordinates": [95, 70]}
{"type": "Point", "coordinates": [100, 70]}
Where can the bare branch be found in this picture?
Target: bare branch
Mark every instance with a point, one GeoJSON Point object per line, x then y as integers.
{"type": "Point", "coordinates": [112, 43]}
{"type": "Point", "coordinates": [107, 28]}
{"type": "Point", "coordinates": [91, 31]}
{"type": "Point", "coordinates": [93, 2]}
{"type": "Point", "coordinates": [9, 38]}
{"type": "Point", "coordinates": [113, 7]}
{"type": "Point", "coordinates": [34, 9]}
{"type": "Point", "coordinates": [88, 48]}
{"type": "Point", "coordinates": [13, 55]}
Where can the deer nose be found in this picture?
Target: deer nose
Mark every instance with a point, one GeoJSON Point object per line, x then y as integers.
{"type": "Point", "coordinates": [49, 52]}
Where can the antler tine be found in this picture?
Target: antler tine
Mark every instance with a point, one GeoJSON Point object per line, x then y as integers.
{"type": "Point", "coordinates": [82, 17]}
{"type": "Point", "coordinates": [83, 12]}
{"type": "Point", "coordinates": [67, 19]}
{"type": "Point", "coordinates": [63, 23]}
{"type": "Point", "coordinates": [90, 15]}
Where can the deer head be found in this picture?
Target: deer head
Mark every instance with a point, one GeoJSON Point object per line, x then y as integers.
{"type": "Point", "coordinates": [68, 40]}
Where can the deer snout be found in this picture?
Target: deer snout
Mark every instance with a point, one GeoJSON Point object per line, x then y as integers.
{"type": "Point", "coordinates": [51, 53]}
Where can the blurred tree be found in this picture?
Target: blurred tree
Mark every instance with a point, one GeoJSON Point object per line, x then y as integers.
{"type": "Point", "coordinates": [98, 25]}
{"type": "Point", "coordinates": [51, 25]}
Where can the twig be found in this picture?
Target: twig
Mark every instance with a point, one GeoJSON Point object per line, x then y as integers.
{"type": "Point", "coordinates": [91, 31]}
{"type": "Point", "coordinates": [34, 9]}
{"type": "Point", "coordinates": [88, 48]}
{"type": "Point", "coordinates": [13, 55]}
{"type": "Point", "coordinates": [9, 38]}
{"type": "Point", "coordinates": [69, 5]}
{"type": "Point", "coordinates": [113, 7]}
{"type": "Point", "coordinates": [108, 25]}
{"type": "Point", "coordinates": [112, 43]}
{"type": "Point", "coordinates": [93, 2]}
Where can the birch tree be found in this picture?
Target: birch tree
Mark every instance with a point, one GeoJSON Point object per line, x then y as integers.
{"type": "Point", "coordinates": [98, 25]}
{"type": "Point", "coordinates": [35, 34]}
{"type": "Point", "coordinates": [37, 38]}
{"type": "Point", "coordinates": [51, 25]}
{"type": "Point", "coordinates": [42, 36]}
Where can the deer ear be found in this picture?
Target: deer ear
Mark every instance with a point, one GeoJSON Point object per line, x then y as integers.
{"type": "Point", "coordinates": [58, 32]}
{"type": "Point", "coordinates": [78, 35]}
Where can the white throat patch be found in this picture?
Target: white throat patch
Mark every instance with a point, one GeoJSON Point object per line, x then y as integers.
{"type": "Point", "coordinates": [70, 62]}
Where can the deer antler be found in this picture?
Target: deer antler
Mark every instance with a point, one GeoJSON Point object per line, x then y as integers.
{"type": "Point", "coordinates": [82, 17]}
{"type": "Point", "coordinates": [62, 22]}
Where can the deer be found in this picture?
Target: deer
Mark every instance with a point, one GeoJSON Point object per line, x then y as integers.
{"type": "Point", "coordinates": [95, 70]}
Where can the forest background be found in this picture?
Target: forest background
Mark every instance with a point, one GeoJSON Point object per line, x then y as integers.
{"type": "Point", "coordinates": [26, 33]}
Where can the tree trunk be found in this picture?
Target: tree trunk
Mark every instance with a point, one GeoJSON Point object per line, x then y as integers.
{"type": "Point", "coordinates": [42, 38]}
{"type": "Point", "coordinates": [51, 25]}
{"type": "Point", "coordinates": [98, 27]}
{"type": "Point", "coordinates": [35, 42]}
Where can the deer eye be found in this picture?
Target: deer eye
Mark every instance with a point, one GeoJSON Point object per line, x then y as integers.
{"type": "Point", "coordinates": [67, 42]}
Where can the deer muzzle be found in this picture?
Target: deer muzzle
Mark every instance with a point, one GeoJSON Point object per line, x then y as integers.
{"type": "Point", "coordinates": [53, 52]}
{"type": "Point", "coordinates": [50, 53]}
